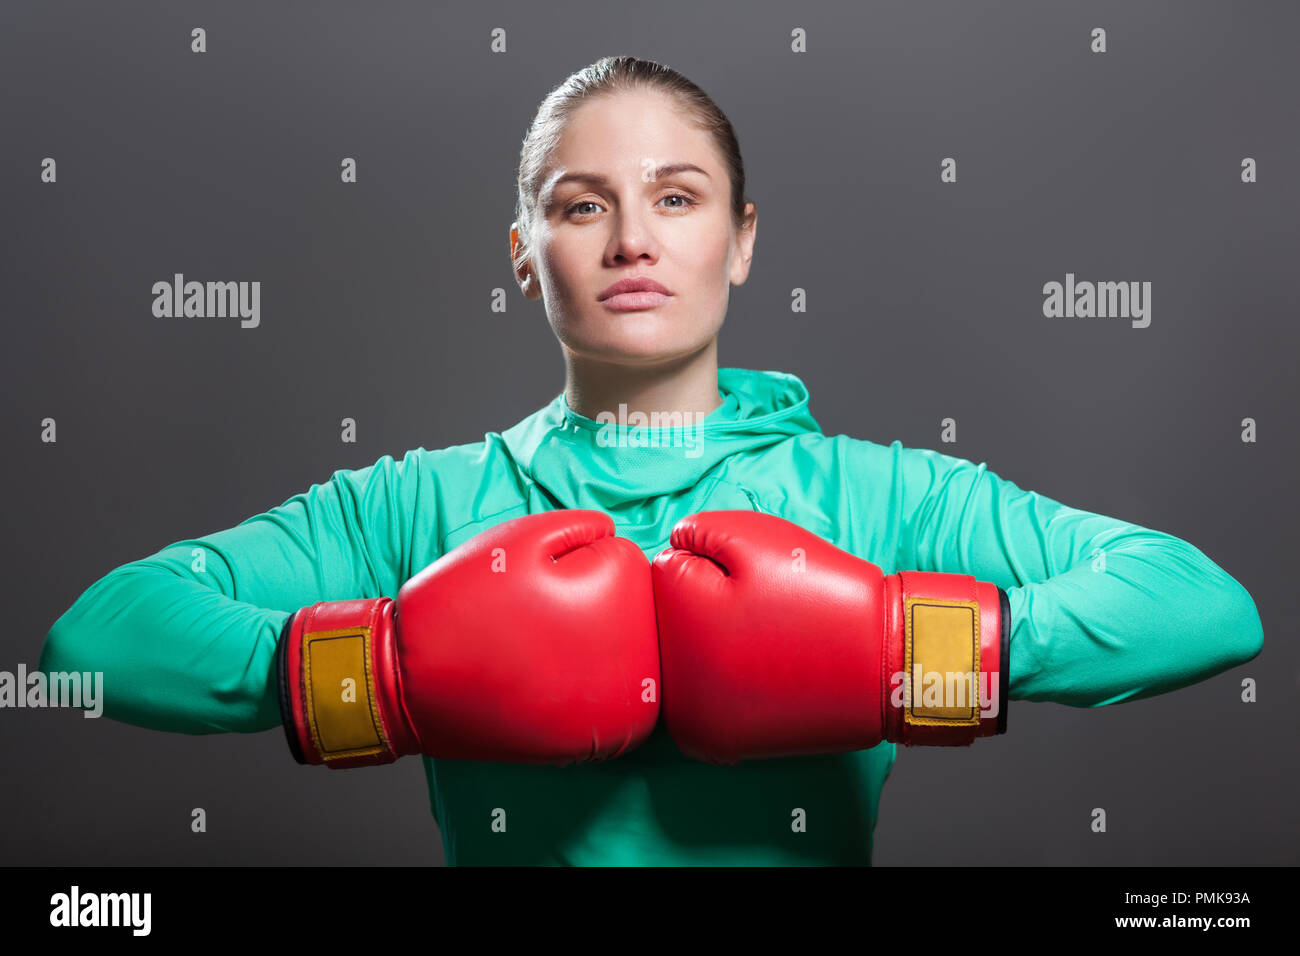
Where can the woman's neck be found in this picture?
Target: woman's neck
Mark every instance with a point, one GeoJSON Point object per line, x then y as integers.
{"type": "Point", "coordinates": [688, 385]}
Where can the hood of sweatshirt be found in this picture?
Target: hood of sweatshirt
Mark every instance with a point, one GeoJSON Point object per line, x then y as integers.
{"type": "Point", "coordinates": [643, 471]}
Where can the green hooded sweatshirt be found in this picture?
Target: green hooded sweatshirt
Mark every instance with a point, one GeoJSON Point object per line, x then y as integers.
{"type": "Point", "coordinates": [1102, 611]}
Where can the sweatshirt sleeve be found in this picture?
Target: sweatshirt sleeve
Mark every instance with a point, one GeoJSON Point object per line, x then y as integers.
{"type": "Point", "coordinates": [1102, 611]}
{"type": "Point", "coordinates": [185, 638]}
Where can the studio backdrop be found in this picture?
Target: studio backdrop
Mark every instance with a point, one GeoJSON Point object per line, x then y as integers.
{"type": "Point", "coordinates": [1057, 240]}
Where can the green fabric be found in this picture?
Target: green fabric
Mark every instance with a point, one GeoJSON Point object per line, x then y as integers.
{"type": "Point", "coordinates": [189, 647]}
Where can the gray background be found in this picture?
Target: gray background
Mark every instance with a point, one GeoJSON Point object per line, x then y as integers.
{"type": "Point", "coordinates": [375, 301]}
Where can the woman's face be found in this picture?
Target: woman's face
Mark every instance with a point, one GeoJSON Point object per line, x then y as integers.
{"type": "Point", "coordinates": [615, 204]}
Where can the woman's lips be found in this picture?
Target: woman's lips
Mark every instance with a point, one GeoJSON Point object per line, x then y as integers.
{"type": "Point", "coordinates": [632, 293]}
{"type": "Point", "coordinates": [632, 301]}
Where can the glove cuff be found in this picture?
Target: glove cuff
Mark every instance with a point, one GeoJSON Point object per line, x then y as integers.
{"type": "Point", "coordinates": [946, 651]}
{"type": "Point", "coordinates": [337, 670]}
{"type": "Point", "coordinates": [1004, 660]}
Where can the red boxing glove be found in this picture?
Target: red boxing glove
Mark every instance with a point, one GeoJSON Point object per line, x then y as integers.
{"type": "Point", "coordinates": [775, 643]}
{"type": "Point", "coordinates": [534, 642]}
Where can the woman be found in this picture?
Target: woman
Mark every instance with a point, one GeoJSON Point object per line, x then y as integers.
{"type": "Point", "coordinates": [630, 173]}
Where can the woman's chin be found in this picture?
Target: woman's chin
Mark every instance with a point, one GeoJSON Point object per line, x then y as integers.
{"type": "Point", "coordinates": [634, 353]}
{"type": "Point", "coordinates": [630, 345]}
{"type": "Point", "coordinates": [646, 337]}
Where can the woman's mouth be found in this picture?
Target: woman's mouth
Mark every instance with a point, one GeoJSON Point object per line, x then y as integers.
{"type": "Point", "coordinates": [634, 293]}
{"type": "Point", "coordinates": [629, 301]}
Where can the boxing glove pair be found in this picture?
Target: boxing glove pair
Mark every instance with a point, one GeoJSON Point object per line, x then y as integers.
{"type": "Point", "coordinates": [545, 640]}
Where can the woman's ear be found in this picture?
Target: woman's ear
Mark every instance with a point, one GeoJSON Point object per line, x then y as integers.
{"type": "Point", "coordinates": [744, 253]}
{"type": "Point", "coordinates": [524, 274]}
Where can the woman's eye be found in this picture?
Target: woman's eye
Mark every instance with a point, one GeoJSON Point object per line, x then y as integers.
{"type": "Point", "coordinates": [686, 200]}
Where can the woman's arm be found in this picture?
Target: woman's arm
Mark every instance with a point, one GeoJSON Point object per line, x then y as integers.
{"type": "Point", "coordinates": [1102, 610]}
{"type": "Point", "coordinates": [185, 638]}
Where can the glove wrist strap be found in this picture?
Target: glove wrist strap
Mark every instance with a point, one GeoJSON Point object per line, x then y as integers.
{"type": "Point", "coordinates": [337, 675]}
{"type": "Point", "coordinates": [945, 654]}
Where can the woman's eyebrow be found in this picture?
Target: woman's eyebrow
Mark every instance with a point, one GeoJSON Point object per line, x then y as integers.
{"type": "Point", "coordinates": [596, 179]}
